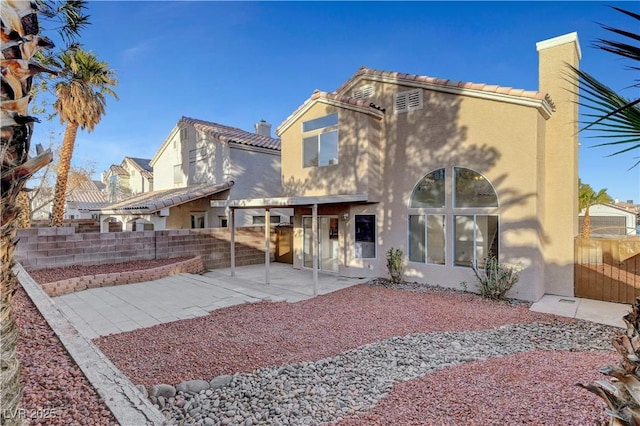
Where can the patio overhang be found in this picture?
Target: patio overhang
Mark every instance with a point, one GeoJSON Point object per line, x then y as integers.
{"type": "Point", "coordinates": [275, 202]}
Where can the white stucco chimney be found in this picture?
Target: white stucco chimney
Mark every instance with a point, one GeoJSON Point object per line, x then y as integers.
{"type": "Point", "coordinates": [263, 128]}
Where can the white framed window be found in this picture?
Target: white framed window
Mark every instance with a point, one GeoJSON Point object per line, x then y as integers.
{"type": "Point", "coordinates": [365, 236]}
{"type": "Point", "coordinates": [259, 220]}
{"type": "Point", "coordinates": [475, 235]}
{"type": "Point", "coordinates": [320, 141]}
{"type": "Point", "coordinates": [427, 239]}
{"type": "Point", "coordinates": [223, 221]}
{"type": "Point", "coordinates": [177, 173]}
{"type": "Point", "coordinates": [406, 101]}
{"type": "Point", "coordinates": [363, 92]}
{"type": "Point", "coordinates": [476, 239]}
{"type": "Point", "coordinates": [198, 220]}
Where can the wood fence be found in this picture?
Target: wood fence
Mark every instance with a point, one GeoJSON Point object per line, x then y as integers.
{"type": "Point", "coordinates": [608, 269]}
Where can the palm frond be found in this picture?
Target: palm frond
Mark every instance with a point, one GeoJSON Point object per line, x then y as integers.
{"type": "Point", "coordinates": [609, 112]}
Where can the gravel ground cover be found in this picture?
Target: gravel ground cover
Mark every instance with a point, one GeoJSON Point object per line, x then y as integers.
{"type": "Point", "coordinates": [366, 355]}
{"type": "Point", "coordinates": [370, 355]}
{"type": "Point", "coordinates": [43, 276]}
{"type": "Point", "coordinates": [56, 392]}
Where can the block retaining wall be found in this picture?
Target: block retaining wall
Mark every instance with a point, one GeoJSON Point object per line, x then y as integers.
{"type": "Point", "coordinates": [42, 248]}
{"type": "Point", "coordinates": [58, 288]}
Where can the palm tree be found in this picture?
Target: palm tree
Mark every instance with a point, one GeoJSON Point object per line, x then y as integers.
{"type": "Point", "coordinates": [587, 197]}
{"type": "Point", "coordinates": [615, 117]}
{"type": "Point", "coordinates": [20, 40]}
{"type": "Point", "coordinates": [619, 120]}
{"type": "Point", "coordinates": [19, 35]}
{"type": "Point", "coordinates": [81, 104]}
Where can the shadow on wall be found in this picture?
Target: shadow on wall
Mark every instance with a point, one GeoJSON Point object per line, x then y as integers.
{"type": "Point", "coordinates": [409, 146]}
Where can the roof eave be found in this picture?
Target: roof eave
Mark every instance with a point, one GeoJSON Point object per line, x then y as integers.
{"type": "Point", "coordinates": [332, 102]}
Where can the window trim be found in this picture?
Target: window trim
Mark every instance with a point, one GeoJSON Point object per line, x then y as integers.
{"type": "Point", "coordinates": [453, 190]}
{"type": "Point", "coordinates": [198, 214]}
{"type": "Point", "coordinates": [375, 236]}
{"type": "Point", "coordinates": [314, 136]}
{"type": "Point", "coordinates": [425, 235]}
{"type": "Point", "coordinates": [474, 261]}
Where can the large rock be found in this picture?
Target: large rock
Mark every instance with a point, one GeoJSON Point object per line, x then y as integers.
{"type": "Point", "coordinates": [220, 381]}
{"type": "Point", "coordinates": [194, 386]}
{"type": "Point", "coordinates": [167, 391]}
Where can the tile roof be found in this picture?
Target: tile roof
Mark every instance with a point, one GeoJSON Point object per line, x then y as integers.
{"type": "Point", "coordinates": [339, 95]}
{"type": "Point", "coordinates": [232, 134]}
{"type": "Point", "coordinates": [142, 165]}
{"type": "Point", "coordinates": [150, 202]}
{"type": "Point", "coordinates": [87, 199]}
{"type": "Point", "coordinates": [118, 170]}
{"type": "Point", "coordinates": [371, 73]}
{"type": "Point", "coordinates": [347, 101]}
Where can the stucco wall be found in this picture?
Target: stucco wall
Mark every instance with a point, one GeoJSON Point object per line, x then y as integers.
{"type": "Point", "coordinates": [358, 139]}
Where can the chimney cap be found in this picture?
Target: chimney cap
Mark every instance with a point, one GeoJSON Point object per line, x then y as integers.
{"type": "Point", "coordinates": [557, 41]}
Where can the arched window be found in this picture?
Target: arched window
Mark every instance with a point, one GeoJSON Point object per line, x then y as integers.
{"type": "Point", "coordinates": [474, 237]}
{"type": "Point", "coordinates": [471, 189]}
{"type": "Point", "coordinates": [430, 191]}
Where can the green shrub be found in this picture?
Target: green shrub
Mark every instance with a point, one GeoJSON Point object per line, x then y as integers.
{"type": "Point", "coordinates": [496, 279]}
{"type": "Point", "coordinates": [395, 262]}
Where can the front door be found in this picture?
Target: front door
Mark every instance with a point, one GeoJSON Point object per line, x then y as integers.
{"type": "Point", "coordinates": [327, 243]}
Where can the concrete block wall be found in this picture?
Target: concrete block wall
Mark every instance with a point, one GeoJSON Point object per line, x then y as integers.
{"type": "Point", "coordinates": [41, 248]}
{"type": "Point", "coordinates": [214, 245]}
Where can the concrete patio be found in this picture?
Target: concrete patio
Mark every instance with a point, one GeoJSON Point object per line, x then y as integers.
{"type": "Point", "coordinates": [106, 310]}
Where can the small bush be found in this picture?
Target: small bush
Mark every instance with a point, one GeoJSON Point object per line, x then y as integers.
{"type": "Point", "coordinates": [395, 262]}
{"type": "Point", "coordinates": [496, 279]}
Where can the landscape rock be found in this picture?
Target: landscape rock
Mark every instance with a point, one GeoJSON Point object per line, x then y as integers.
{"type": "Point", "coordinates": [194, 386]}
{"type": "Point", "coordinates": [220, 381]}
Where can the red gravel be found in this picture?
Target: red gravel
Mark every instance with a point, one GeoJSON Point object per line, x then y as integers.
{"type": "Point", "coordinates": [245, 337]}
{"type": "Point", "coordinates": [43, 276]}
{"type": "Point", "coordinates": [535, 388]}
{"type": "Point", "coordinates": [56, 392]}
{"type": "Point", "coordinates": [532, 388]}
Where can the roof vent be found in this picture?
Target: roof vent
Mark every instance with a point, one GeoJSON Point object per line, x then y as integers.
{"type": "Point", "coordinates": [263, 128]}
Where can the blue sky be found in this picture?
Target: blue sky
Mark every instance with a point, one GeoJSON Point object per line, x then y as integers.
{"type": "Point", "coordinates": [236, 63]}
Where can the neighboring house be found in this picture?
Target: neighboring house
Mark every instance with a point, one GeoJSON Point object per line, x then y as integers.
{"type": "Point", "coordinates": [133, 176]}
{"type": "Point", "coordinates": [85, 201]}
{"type": "Point", "coordinates": [449, 172]}
{"type": "Point", "coordinates": [200, 161]}
{"type": "Point", "coordinates": [175, 208]}
{"type": "Point", "coordinates": [609, 220]}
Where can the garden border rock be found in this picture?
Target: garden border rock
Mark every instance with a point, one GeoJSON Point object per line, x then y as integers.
{"type": "Point", "coordinates": [71, 285]}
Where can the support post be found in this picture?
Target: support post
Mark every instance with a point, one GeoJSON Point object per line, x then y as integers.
{"type": "Point", "coordinates": [232, 229]}
{"type": "Point", "coordinates": [314, 246]}
{"type": "Point", "coordinates": [267, 245]}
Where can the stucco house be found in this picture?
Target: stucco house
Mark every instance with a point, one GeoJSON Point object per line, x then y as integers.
{"type": "Point", "coordinates": [609, 220]}
{"type": "Point", "coordinates": [200, 161]}
{"type": "Point", "coordinates": [450, 172]}
{"type": "Point", "coordinates": [131, 177]}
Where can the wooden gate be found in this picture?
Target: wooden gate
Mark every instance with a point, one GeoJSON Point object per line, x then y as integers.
{"type": "Point", "coordinates": [608, 269]}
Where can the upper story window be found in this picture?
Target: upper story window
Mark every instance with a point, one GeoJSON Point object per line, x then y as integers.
{"type": "Point", "coordinates": [366, 91]}
{"type": "Point", "coordinates": [407, 101]}
{"type": "Point", "coordinates": [430, 191]}
{"type": "Point", "coordinates": [471, 189]}
{"type": "Point", "coordinates": [320, 141]}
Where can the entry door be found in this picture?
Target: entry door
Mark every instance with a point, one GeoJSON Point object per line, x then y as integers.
{"type": "Point", "coordinates": [327, 243]}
